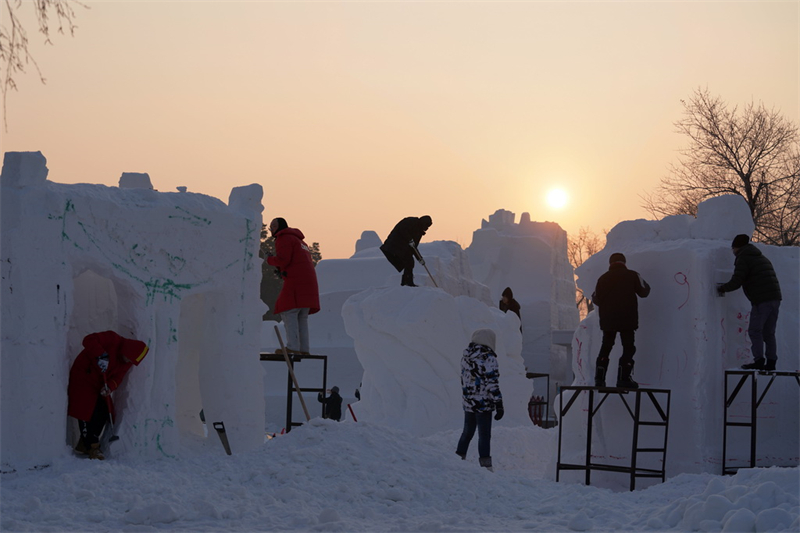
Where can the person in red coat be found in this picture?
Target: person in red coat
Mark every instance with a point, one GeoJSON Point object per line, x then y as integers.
{"type": "Point", "coordinates": [299, 296]}
{"type": "Point", "coordinates": [97, 372]}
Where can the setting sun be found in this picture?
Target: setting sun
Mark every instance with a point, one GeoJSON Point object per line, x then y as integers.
{"type": "Point", "coordinates": [557, 198]}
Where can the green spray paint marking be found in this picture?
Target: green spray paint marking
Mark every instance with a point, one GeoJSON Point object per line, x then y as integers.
{"type": "Point", "coordinates": [247, 259]}
{"type": "Point", "coordinates": [168, 288]}
{"type": "Point", "coordinates": [160, 424]}
{"type": "Point", "coordinates": [190, 218]}
{"type": "Point", "coordinates": [68, 207]}
{"type": "Point", "coordinates": [173, 333]}
{"type": "Point", "coordinates": [152, 285]}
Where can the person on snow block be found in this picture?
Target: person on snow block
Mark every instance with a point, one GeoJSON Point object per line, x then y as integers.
{"type": "Point", "coordinates": [333, 404]}
{"type": "Point", "coordinates": [508, 303]}
{"type": "Point", "coordinates": [615, 298]}
{"type": "Point", "coordinates": [299, 296]}
{"type": "Point", "coordinates": [480, 389]}
{"type": "Point", "coordinates": [754, 273]}
{"type": "Point", "coordinates": [97, 372]}
{"type": "Point", "coordinates": [400, 247]}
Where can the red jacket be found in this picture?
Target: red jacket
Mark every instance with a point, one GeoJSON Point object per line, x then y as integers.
{"type": "Point", "coordinates": [86, 379]}
{"type": "Point", "coordinates": [293, 258]}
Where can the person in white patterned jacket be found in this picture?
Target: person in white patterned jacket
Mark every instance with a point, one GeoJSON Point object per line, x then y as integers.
{"type": "Point", "coordinates": [480, 389]}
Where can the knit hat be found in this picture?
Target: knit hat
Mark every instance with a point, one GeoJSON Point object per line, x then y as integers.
{"type": "Point", "coordinates": [484, 336]}
{"type": "Point", "coordinates": [507, 293]}
{"type": "Point", "coordinates": [740, 240]}
{"type": "Point", "coordinates": [427, 220]}
{"type": "Point", "coordinates": [616, 258]}
{"type": "Point", "coordinates": [335, 389]}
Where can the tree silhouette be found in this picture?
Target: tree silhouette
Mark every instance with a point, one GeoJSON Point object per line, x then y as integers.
{"type": "Point", "coordinates": [52, 16]}
{"type": "Point", "coordinates": [753, 152]}
{"type": "Point", "coordinates": [580, 248]}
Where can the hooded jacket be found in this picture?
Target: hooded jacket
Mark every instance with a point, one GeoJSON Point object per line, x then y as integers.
{"type": "Point", "coordinates": [754, 273]}
{"type": "Point", "coordinates": [616, 298]}
{"type": "Point", "coordinates": [293, 258]}
{"type": "Point", "coordinates": [396, 247]}
{"type": "Point", "coordinates": [86, 377]}
{"type": "Point", "coordinates": [512, 304]}
{"type": "Point", "coordinates": [333, 405]}
{"type": "Point", "coordinates": [480, 374]}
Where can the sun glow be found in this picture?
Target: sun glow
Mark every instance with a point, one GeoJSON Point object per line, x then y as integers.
{"type": "Point", "coordinates": [557, 198]}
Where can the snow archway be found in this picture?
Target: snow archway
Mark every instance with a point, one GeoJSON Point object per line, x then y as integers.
{"type": "Point", "coordinates": [77, 259]}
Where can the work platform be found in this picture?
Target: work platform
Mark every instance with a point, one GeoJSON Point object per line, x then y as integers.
{"type": "Point", "coordinates": [753, 376]}
{"type": "Point", "coordinates": [290, 383]}
{"type": "Point", "coordinates": [639, 397]}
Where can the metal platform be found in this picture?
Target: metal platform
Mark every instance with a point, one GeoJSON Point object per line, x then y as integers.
{"type": "Point", "coordinates": [755, 402]}
{"type": "Point", "coordinates": [290, 388]}
{"type": "Point", "coordinates": [634, 470]}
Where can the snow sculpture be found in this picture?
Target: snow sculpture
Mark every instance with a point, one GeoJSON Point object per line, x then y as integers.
{"type": "Point", "coordinates": [339, 279]}
{"type": "Point", "coordinates": [176, 270]}
{"type": "Point", "coordinates": [400, 330]}
{"type": "Point", "coordinates": [531, 258]}
{"type": "Point", "coordinates": [688, 337]}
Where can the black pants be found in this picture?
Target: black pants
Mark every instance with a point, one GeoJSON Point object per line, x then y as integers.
{"type": "Point", "coordinates": [91, 430]}
{"type": "Point", "coordinates": [408, 270]}
{"type": "Point", "coordinates": [628, 348]}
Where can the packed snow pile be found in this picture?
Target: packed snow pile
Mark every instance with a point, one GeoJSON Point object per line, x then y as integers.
{"type": "Point", "coordinates": [360, 477]}
{"type": "Point", "coordinates": [339, 279]}
{"type": "Point", "coordinates": [80, 259]}
{"type": "Point", "coordinates": [448, 267]}
{"type": "Point", "coordinates": [688, 337]}
{"type": "Point", "coordinates": [410, 341]}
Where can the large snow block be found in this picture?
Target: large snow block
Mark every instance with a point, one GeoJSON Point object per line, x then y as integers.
{"type": "Point", "coordinates": [530, 258]}
{"type": "Point", "coordinates": [688, 337]}
{"type": "Point", "coordinates": [77, 259]}
{"type": "Point", "coordinates": [399, 330]}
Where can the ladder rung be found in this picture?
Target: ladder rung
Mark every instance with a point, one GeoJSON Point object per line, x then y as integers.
{"type": "Point", "coordinates": [651, 450]}
{"type": "Point", "coordinates": [739, 424]}
{"type": "Point", "coordinates": [652, 423]}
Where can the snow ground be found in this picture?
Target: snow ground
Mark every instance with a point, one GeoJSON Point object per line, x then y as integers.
{"type": "Point", "coordinates": [341, 477]}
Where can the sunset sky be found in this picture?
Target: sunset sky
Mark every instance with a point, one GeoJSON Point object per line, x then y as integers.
{"type": "Point", "coordinates": [353, 115]}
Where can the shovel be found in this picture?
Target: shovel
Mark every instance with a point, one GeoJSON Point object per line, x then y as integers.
{"type": "Point", "coordinates": [113, 437]}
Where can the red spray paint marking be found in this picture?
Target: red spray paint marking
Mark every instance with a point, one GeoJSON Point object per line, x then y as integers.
{"type": "Point", "coordinates": [680, 279]}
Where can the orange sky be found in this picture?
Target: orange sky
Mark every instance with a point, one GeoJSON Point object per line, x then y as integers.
{"type": "Point", "coordinates": [353, 115]}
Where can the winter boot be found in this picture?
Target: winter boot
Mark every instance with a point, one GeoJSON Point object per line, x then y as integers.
{"type": "Point", "coordinates": [600, 376]}
{"type": "Point", "coordinates": [462, 455]}
{"type": "Point", "coordinates": [486, 462]}
{"type": "Point", "coordinates": [770, 366]}
{"type": "Point", "coordinates": [758, 364]}
{"type": "Point", "coordinates": [95, 453]}
{"type": "Point", "coordinates": [624, 379]}
{"type": "Point", "coordinates": [81, 448]}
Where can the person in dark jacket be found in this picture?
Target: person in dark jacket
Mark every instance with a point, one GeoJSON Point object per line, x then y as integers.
{"type": "Point", "coordinates": [616, 299]}
{"type": "Point", "coordinates": [333, 404]}
{"type": "Point", "coordinates": [398, 247]}
{"type": "Point", "coordinates": [754, 273]}
{"type": "Point", "coordinates": [508, 303]}
{"type": "Point", "coordinates": [97, 372]}
{"type": "Point", "coordinates": [480, 388]}
{"type": "Point", "coordinates": [299, 296]}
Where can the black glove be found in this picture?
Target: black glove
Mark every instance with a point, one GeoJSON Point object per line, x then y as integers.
{"type": "Point", "coordinates": [720, 292]}
{"type": "Point", "coordinates": [500, 412]}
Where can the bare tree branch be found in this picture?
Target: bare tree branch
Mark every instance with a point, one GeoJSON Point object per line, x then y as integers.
{"type": "Point", "coordinates": [752, 153]}
{"type": "Point", "coordinates": [14, 53]}
{"type": "Point", "coordinates": [580, 248]}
